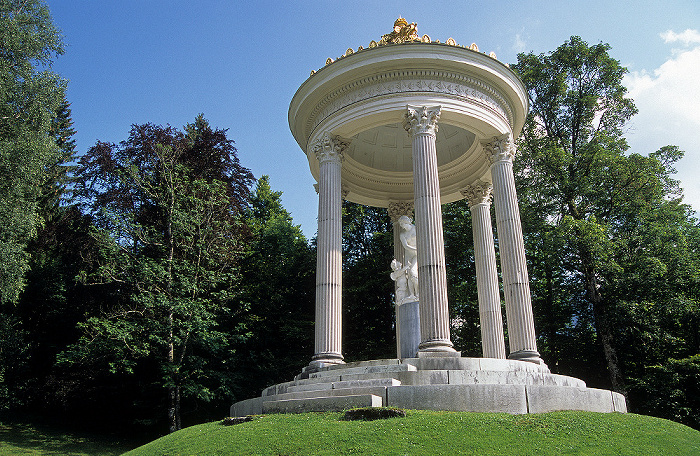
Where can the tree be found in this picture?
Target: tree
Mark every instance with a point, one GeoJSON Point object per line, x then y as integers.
{"type": "Point", "coordinates": [30, 96]}
{"type": "Point", "coordinates": [461, 278]}
{"type": "Point", "coordinates": [168, 207]}
{"type": "Point", "coordinates": [368, 301]}
{"type": "Point", "coordinates": [612, 249]}
{"type": "Point", "coordinates": [277, 273]}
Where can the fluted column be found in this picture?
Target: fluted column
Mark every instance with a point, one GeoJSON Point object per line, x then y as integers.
{"type": "Point", "coordinates": [421, 124]}
{"type": "Point", "coordinates": [329, 151]}
{"type": "Point", "coordinates": [479, 198]}
{"type": "Point", "coordinates": [516, 286]}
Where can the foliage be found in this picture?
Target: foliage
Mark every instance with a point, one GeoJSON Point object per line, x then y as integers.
{"type": "Point", "coordinates": [168, 212]}
{"type": "Point", "coordinates": [461, 278]}
{"type": "Point", "coordinates": [30, 96]}
{"type": "Point", "coordinates": [368, 302]}
{"type": "Point", "coordinates": [431, 433]}
{"type": "Point", "coordinates": [613, 251]}
{"type": "Point", "coordinates": [277, 283]}
{"type": "Point", "coordinates": [670, 390]}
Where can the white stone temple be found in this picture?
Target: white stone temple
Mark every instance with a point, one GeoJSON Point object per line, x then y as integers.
{"type": "Point", "coordinates": [410, 124]}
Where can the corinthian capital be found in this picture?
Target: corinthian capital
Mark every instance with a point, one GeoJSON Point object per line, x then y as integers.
{"type": "Point", "coordinates": [499, 148]}
{"type": "Point", "coordinates": [330, 148]}
{"type": "Point", "coordinates": [421, 119]}
{"type": "Point", "coordinates": [478, 193]}
{"type": "Point", "coordinates": [398, 208]}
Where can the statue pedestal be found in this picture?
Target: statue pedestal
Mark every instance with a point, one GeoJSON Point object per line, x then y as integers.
{"type": "Point", "coordinates": [408, 322]}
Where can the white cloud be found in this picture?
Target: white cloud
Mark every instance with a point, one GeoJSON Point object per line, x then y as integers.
{"type": "Point", "coordinates": [668, 98]}
{"type": "Point", "coordinates": [687, 37]}
{"type": "Point", "coordinates": [519, 44]}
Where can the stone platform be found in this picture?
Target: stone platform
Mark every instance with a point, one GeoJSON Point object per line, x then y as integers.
{"type": "Point", "coordinates": [432, 383]}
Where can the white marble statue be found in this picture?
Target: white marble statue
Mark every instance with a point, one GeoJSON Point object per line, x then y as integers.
{"type": "Point", "coordinates": [408, 240]}
{"type": "Point", "coordinates": [399, 276]}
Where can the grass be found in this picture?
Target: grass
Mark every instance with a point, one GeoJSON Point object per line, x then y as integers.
{"type": "Point", "coordinates": [435, 433]}
{"type": "Point", "coordinates": [27, 439]}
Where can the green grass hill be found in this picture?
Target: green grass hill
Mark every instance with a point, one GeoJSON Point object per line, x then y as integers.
{"type": "Point", "coordinates": [435, 433]}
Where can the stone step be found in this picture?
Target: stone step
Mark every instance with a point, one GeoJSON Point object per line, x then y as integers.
{"type": "Point", "coordinates": [321, 404]}
{"type": "Point", "coordinates": [461, 377]}
{"type": "Point", "coordinates": [369, 369]}
{"type": "Point", "coordinates": [359, 383]}
{"type": "Point", "coordinates": [282, 387]}
{"type": "Point", "coordinates": [357, 391]}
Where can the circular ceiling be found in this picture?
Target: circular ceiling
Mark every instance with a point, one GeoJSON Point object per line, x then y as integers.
{"type": "Point", "coordinates": [388, 147]}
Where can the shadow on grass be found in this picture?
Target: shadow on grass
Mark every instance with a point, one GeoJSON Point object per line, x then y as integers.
{"type": "Point", "coordinates": [22, 438]}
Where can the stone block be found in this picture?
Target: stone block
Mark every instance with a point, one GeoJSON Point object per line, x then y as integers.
{"type": "Point", "coordinates": [366, 383]}
{"type": "Point", "coordinates": [619, 402]}
{"type": "Point", "coordinates": [439, 354]}
{"type": "Point", "coordinates": [510, 365]}
{"type": "Point", "coordinates": [448, 363]}
{"type": "Point", "coordinates": [471, 398]}
{"type": "Point", "coordinates": [378, 362]}
{"type": "Point", "coordinates": [542, 399]}
{"type": "Point", "coordinates": [312, 380]}
{"type": "Point", "coordinates": [361, 391]}
{"type": "Point", "coordinates": [433, 377]}
{"type": "Point", "coordinates": [374, 375]}
{"type": "Point", "coordinates": [308, 387]}
{"type": "Point", "coordinates": [563, 380]}
{"type": "Point", "coordinates": [247, 407]}
{"type": "Point", "coordinates": [321, 404]}
{"type": "Point", "coordinates": [368, 369]}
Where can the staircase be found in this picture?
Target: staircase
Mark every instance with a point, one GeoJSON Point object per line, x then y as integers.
{"type": "Point", "coordinates": [432, 383]}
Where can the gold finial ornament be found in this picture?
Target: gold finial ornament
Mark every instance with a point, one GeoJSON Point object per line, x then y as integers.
{"type": "Point", "coordinates": [403, 32]}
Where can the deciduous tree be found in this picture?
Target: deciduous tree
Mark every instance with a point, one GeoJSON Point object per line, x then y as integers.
{"type": "Point", "coordinates": [612, 249]}
{"type": "Point", "coordinates": [169, 212]}
{"type": "Point", "coordinates": [30, 96]}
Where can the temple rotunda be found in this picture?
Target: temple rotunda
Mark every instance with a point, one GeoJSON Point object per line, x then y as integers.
{"type": "Point", "coordinates": [410, 124]}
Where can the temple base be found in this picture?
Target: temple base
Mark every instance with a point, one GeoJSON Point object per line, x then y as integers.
{"type": "Point", "coordinates": [433, 383]}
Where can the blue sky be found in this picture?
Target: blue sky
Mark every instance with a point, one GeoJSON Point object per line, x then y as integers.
{"type": "Point", "coordinates": [240, 63]}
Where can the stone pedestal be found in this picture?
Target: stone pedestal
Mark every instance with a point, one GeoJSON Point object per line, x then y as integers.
{"type": "Point", "coordinates": [516, 286]}
{"type": "Point", "coordinates": [492, 341]}
{"type": "Point", "coordinates": [329, 151]}
{"type": "Point", "coordinates": [421, 124]}
{"type": "Point", "coordinates": [408, 324]}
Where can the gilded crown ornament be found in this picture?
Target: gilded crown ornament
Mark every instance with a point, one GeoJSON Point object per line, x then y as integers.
{"type": "Point", "coordinates": [403, 32]}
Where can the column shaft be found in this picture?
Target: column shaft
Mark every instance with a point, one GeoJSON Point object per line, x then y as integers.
{"type": "Point", "coordinates": [421, 123]}
{"type": "Point", "coordinates": [490, 317]}
{"type": "Point", "coordinates": [328, 327]}
{"type": "Point", "coordinates": [516, 286]}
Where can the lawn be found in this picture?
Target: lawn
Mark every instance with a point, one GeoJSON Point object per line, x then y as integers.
{"type": "Point", "coordinates": [28, 439]}
{"type": "Point", "coordinates": [435, 433]}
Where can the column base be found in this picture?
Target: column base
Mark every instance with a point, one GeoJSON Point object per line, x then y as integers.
{"type": "Point", "coordinates": [323, 359]}
{"type": "Point", "coordinates": [530, 356]}
{"type": "Point", "coordinates": [436, 346]}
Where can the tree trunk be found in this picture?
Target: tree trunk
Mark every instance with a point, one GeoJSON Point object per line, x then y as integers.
{"type": "Point", "coordinates": [174, 387]}
{"type": "Point", "coordinates": [174, 423]}
{"type": "Point", "coordinates": [552, 322]}
{"type": "Point", "coordinates": [604, 329]}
